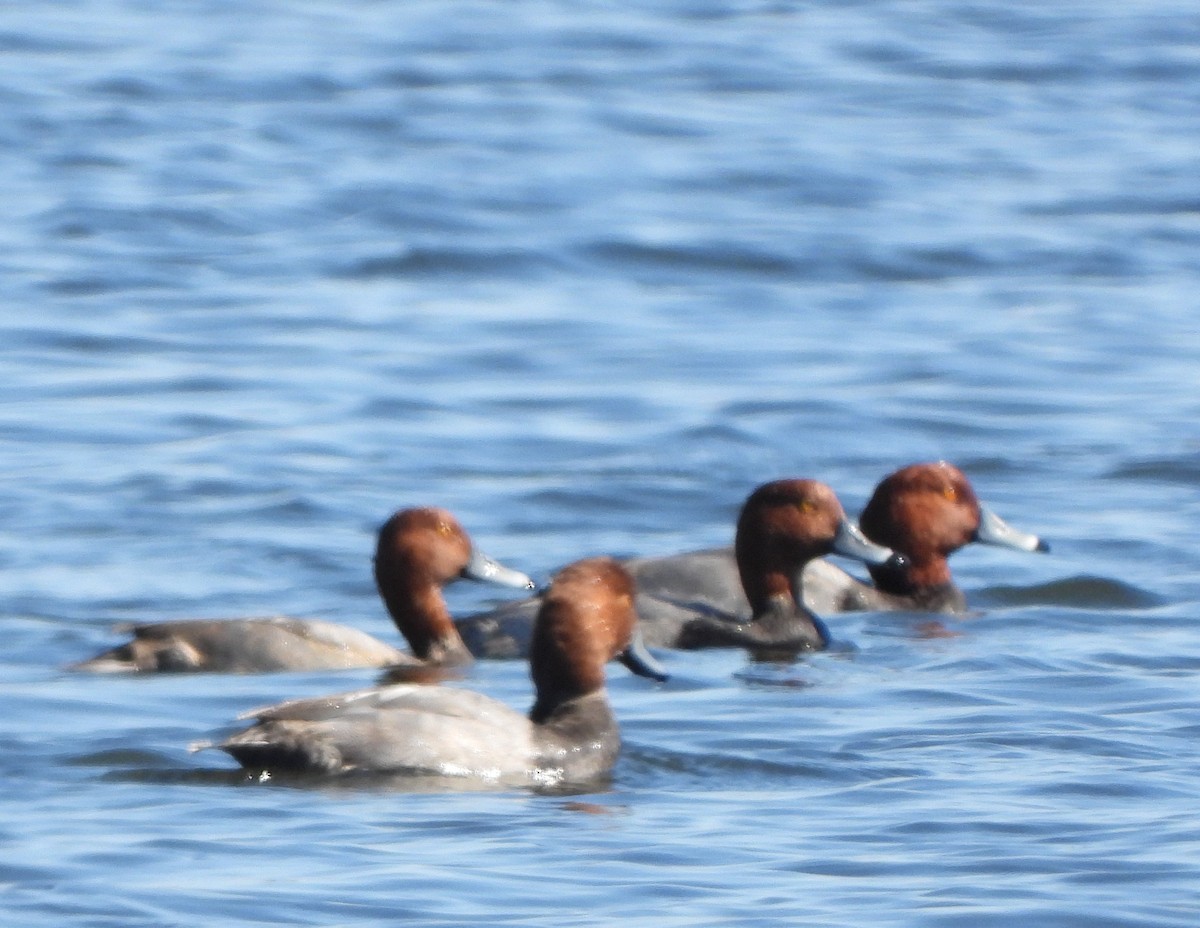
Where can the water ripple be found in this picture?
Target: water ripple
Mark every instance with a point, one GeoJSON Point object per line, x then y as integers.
{"type": "Point", "coordinates": [586, 276]}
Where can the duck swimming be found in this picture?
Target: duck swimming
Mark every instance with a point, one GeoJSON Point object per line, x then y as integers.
{"type": "Point", "coordinates": [418, 551]}
{"type": "Point", "coordinates": [926, 512]}
{"type": "Point", "coordinates": [585, 619]}
{"type": "Point", "coordinates": [692, 601]}
{"type": "Point", "coordinates": [929, 507]}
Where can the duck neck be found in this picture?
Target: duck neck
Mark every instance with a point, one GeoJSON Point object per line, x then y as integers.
{"type": "Point", "coordinates": [421, 614]}
{"type": "Point", "coordinates": [577, 718]}
{"type": "Point", "coordinates": [564, 667]}
{"type": "Point", "coordinates": [577, 740]}
{"type": "Point", "coordinates": [764, 585]}
{"type": "Point", "coordinates": [784, 622]}
{"type": "Point", "coordinates": [777, 606]}
{"type": "Point", "coordinates": [920, 576]}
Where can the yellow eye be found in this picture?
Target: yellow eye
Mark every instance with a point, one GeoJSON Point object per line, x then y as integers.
{"type": "Point", "coordinates": [950, 493]}
{"type": "Point", "coordinates": [808, 507]}
{"type": "Point", "coordinates": [444, 528]}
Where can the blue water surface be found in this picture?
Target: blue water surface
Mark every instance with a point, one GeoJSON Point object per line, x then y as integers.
{"type": "Point", "coordinates": [587, 274]}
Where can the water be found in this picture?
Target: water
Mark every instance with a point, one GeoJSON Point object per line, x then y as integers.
{"type": "Point", "coordinates": [586, 276]}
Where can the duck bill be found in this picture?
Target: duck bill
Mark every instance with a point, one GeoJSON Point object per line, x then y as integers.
{"type": "Point", "coordinates": [639, 659]}
{"type": "Point", "coordinates": [851, 542]}
{"type": "Point", "coordinates": [485, 570]}
{"type": "Point", "coordinates": [995, 531]}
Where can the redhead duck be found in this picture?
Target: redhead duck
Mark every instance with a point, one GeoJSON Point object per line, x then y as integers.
{"type": "Point", "coordinates": [586, 618]}
{"type": "Point", "coordinates": [926, 512]}
{"type": "Point", "coordinates": [417, 553]}
{"type": "Point", "coordinates": [676, 589]}
{"type": "Point", "coordinates": [697, 600]}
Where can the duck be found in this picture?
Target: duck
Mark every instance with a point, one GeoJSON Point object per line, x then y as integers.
{"type": "Point", "coordinates": [418, 552]}
{"type": "Point", "coordinates": [586, 617]}
{"type": "Point", "coordinates": [926, 511]}
{"type": "Point", "coordinates": [929, 507]}
{"type": "Point", "coordinates": [748, 596]}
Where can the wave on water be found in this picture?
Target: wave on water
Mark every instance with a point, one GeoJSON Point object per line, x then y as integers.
{"type": "Point", "coordinates": [1078, 592]}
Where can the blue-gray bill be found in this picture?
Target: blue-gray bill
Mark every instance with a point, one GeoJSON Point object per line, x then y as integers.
{"type": "Point", "coordinates": [995, 531]}
{"type": "Point", "coordinates": [639, 659]}
{"type": "Point", "coordinates": [483, 568]}
{"type": "Point", "coordinates": [851, 542]}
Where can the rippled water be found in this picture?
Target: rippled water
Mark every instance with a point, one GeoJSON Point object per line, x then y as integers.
{"type": "Point", "coordinates": [586, 276]}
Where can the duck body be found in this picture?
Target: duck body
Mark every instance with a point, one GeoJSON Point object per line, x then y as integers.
{"type": "Point", "coordinates": [671, 591]}
{"type": "Point", "coordinates": [745, 596]}
{"type": "Point", "coordinates": [570, 734]}
{"type": "Point", "coordinates": [828, 589]}
{"type": "Point", "coordinates": [413, 730]}
{"type": "Point", "coordinates": [418, 552]}
{"type": "Point", "coordinates": [250, 645]}
{"type": "Point", "coordinates": [924, 512]}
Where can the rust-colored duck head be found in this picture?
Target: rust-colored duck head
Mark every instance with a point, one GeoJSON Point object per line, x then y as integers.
{"type": "Point", "coordinates": [417, 553]}
{"type": "Point", "coordinates": [784, 525]}
{"type": "Point", "coordinates": [587, 618]}
{"type": "Point", "coordinates": [927, 512]}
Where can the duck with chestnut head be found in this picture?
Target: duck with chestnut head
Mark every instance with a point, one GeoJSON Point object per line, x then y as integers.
{"type": "Point", "coordinates": [418, 552]}
{"type": "Point", "coordinates": [586, 619]}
